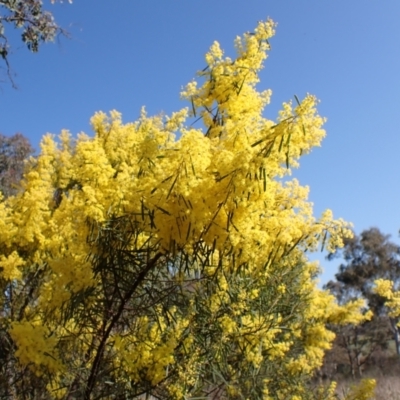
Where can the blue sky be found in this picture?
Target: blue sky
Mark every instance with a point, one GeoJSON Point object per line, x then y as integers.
{"type": "Point", "coordinates": [127, 53]}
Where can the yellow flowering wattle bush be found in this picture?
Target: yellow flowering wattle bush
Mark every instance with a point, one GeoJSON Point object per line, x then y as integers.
{"type": "Point", "coordinates": [385, 289]}
{"type": "Point", "coordinates": [169, 258]}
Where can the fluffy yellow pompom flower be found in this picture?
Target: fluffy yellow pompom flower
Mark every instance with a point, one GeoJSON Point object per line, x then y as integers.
{"type": "Point", "coordinates": [10, 265]}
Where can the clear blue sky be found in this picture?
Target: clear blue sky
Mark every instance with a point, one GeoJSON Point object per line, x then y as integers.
{"type": "Point", "coordinates": [127, 53]}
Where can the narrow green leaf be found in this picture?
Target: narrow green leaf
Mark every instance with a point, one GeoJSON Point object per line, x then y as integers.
{"type": "Point", "coordinates": [265, 180]}
{"type": "Point", "coordinates": [172, 186]}
{"type": "Point", "coordinates": [258, 142]}
{"type": "Point", "coordinates": [142, 209]}
{"type": "Point", "coordinates": [268, 152]}
{"type": "Point", "coordinates": [288, 139]}
{"type": "Point", "coordinates": [323, 241]}
{"type": "Point", "coordinates": [162, 210]}
{"type": "Point", "coordinates": [281, 144]}
{"type": "Point", "coordinates": [151, 216]}
{"type": "Point", "coordinates": [220, 178]}
{"type": "Point", "coordinates": [179, 227]}
{"type": "Point", "coordinates": [188, 231]}
{"type": "Point", "coordinates": [297, 99]}
{"type": "Point", "coordinates": [172, 247]}
{"type": "Point", "coordinates": [193, 107]}
{"type": "Point", "coordinates": [167, 179]}
{"type": "Point", "coordinates": [214, 245]}
{"type": "Point", "coordinates": [186, 204]}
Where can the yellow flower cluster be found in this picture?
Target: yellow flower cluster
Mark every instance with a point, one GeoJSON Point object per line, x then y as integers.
{"type": "Point", "coordinates": [385, 289]}
{"type": "Point", "coordinates": [363, 391]}
{"type": "Point", "coordinates": [36, 347]}
{"type": "Point", "coordinates": [10, 266]}
{"type": "Point", "coordinates": [149, 351]}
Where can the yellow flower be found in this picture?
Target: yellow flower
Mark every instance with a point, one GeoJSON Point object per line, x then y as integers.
{"type": "Point", "coordinates": [10, 266]}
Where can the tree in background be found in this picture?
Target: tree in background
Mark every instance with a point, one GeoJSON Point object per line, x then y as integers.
{"type": "Point", "coordinates": [37, 25]}
{"type": "Point", "coordinates": [14, 150]}
{"type": "Point", "coordinates": [136, 263]}
{"type": "Point", "coordinates": [367, 257]}
{"type": "Point", "coordinates": [355, 342]}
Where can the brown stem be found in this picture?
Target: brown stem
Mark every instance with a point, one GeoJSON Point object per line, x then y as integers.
{"type": "Point", "coordinates": [100, 351]}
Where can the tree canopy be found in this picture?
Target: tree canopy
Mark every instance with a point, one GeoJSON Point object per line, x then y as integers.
{"type": "Point", "coordinates": [14, 150]}
{"type": "Point", "coordinates": [370, 269]}
{"type": "Point", "coordinates": [38, 26]}
{"type": "Point", "coordinates": [368, 257]}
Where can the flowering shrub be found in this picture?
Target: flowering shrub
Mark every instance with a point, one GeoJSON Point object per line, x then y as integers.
{"type": "Point", "coordinates": [164, 258]}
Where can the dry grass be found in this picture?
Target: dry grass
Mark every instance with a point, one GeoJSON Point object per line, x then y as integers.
{"type": "Point", "coordinates": [388, 388]}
